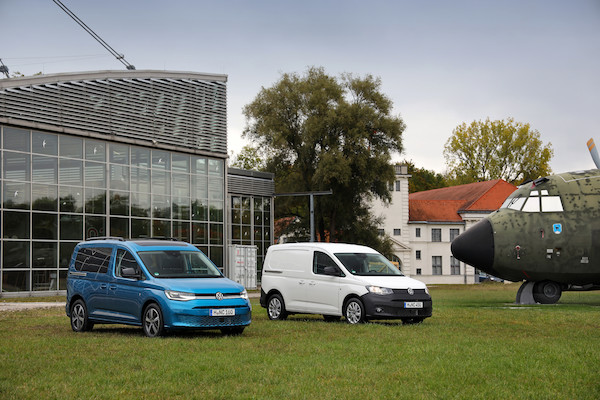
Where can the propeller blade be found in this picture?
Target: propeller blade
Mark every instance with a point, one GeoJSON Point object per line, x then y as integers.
{"type": "Point", "coordinates": [594, 152]}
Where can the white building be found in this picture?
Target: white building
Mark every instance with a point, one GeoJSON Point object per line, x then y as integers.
{"type": "Point", "coordinates": [422, 225]}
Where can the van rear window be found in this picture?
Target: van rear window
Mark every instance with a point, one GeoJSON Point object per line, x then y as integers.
{"type": "Point", "coordinates": [93, 259]}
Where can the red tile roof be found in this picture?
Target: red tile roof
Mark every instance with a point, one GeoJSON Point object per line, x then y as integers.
{"type": "Point", "coordinates": [445, 205]}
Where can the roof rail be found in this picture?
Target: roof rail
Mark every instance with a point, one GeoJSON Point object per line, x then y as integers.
{"type": "Point", "coordinates": [172, 239]}
{"type": "Point", "coordinates": [120, 239]}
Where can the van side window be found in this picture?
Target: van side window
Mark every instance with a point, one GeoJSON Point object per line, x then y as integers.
{"type": "Point", "coordinates": [93, 259]}
{"type": "Point", "coordinates": [320, 261]}
{"type": "Point", "coordinates": [124, 259]}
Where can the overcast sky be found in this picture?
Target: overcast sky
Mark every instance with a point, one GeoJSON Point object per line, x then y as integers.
{"type": "Point", "coordinates": [441, 62]}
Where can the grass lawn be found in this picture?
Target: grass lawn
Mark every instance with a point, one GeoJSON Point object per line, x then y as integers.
{"type": "Point", "coordinates": [477, 345]}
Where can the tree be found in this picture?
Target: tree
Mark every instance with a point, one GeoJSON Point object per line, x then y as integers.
{"type": "Point", "coordinates": [423, 179]}
{"type": "Point", "coordinates": [501, 149]}
{"type": "Point", "coordinates": [248, 158]}
{"type": "Point", "coordinates": [322, 133]}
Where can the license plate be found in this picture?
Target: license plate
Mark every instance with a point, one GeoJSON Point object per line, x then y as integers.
{"type": "Point", "coordinates": [413, 304]}
{"type": "Point", "coordinates": [222, 312]}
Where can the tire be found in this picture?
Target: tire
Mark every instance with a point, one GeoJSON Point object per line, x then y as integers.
{"type": "Point", "coordinates": [332, 318]}
{"type": "Point", "coordinates": [80, 321]}
{"type": "Point", "coordinates": [354, 311]}
{"type": "Point", "coordinates": [152, 321]}
{"type": "Point", "coordinates": [234, 330]}
{"type": "Point", "coordinates": [546, 292]}
{"type": "Point", "coordinates": [276, 308]}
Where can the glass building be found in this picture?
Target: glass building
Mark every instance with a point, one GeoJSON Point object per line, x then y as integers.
{"type": "Point", "coordinates": [117, 153]}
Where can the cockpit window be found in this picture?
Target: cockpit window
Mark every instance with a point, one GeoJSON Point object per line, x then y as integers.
{"type": "Point", "coordinates": [532, 205]}
{"type": "Point", "coordinates": [538, 200]}
{"type": "Point", "coordinates": [551, 204]}
{"type": "Point", "coordinates": [514, 203]}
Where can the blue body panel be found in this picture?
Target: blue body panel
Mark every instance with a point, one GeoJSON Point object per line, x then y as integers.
{"type": "Point", "coordinates": [114, 299]}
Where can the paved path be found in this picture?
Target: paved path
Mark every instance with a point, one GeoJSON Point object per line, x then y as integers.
{"type": "Point", "coordinates": [28, 306]}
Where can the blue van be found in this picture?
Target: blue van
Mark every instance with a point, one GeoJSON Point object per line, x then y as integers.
{"type": "Point", "coordinates": [159, 285]}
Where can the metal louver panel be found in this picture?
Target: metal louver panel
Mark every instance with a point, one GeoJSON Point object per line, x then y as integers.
{"type": "Point", "coordinates": [182, 109]}
{"type": "Point", "coordinates": [250, 186]}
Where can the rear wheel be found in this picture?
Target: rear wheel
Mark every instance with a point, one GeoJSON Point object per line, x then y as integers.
{"type": "Point", "coordinates": [153, 322]}
{"type": "Point", "coordinates": [79, 317]}
{"type": "Point", "coordinates": [354, 311]}
{"type": "Point", "coordinates": [546, 292]}
{"type": "Point", "coordinates": [276, 308]}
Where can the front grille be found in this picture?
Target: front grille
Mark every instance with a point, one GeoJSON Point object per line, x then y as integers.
{"type": "Point", "coordinates": [204, 321]}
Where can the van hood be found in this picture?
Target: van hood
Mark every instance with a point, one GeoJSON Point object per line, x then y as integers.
{"type": "Point", "coordinates": [393, 282]}
{"type": "Point", "coordinates": [202, 285]}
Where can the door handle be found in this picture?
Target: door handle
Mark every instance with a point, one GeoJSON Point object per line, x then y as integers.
{"type": "Point", "coordinates": [112, 287]}
{"type": "Point", "coordinates": [301, 282]}
{"type": "Point", "coordinates": [103, 286]}
{"type": "Point", "coordinates": [312, 283]}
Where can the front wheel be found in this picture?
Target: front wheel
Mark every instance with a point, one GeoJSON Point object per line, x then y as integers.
{"type": "Point", "coordinates": [354, 311]}
{"type": "Point", "coordinates": [80, 321]}
{"type": "Point", "coordinates": [153, 322]}
{"type": "Point", "coordinates": [546, 292]}
{"type": "Point", "coordinates": [276, 308]}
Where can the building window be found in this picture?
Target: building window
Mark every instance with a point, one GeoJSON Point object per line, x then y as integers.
{"type": "Point", "coordinates": [391, 187]}
{"type": "Point", "coordinates": [436, 235]}
{"type": "Point", "coordinates": [397, 186]}
{"type": "Point", "coordinates": [417, 232]}
{"type": "Point", "coordinates": [397, 232]}
{"type": "Point", "coordinates": [436, 265]}
{"type": "Point", "coordinates": [381, 232]}
{"type": "Point", "coordinates": [418, 254]}
{"type": "Point", "coordinates": [418, 271]}
{"type": "Point", "coordinates": [454, 233]}
{"type": "Point", "coordinates": [454, 266]}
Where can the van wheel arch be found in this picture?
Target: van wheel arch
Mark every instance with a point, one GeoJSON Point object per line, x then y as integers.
{"type": "Point", "coordinates": [276, 306]}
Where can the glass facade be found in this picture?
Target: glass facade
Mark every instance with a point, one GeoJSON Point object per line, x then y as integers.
{"type": "Point", "coordinates": [58, 189]}
{"type": "Point", "coordinates": [250, 223]}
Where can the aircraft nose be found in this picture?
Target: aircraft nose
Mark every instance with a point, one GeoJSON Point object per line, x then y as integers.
{"type": "Point", "coordinates": [475, 246]}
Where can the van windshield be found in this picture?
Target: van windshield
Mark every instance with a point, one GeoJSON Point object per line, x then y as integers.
{"type": "Point", "coordinates": [179, 264]}
{"type": "Point", "coordinates": [368, 264]}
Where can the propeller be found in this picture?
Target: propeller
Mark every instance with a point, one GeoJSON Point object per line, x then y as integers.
{"type": "Point", "coordinates": [594, 152]}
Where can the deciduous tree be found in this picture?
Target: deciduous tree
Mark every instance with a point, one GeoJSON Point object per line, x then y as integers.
{"type": "Point", "coordinates": [324, 132]}
{"type": "Point", "coordinates": [500, 149]}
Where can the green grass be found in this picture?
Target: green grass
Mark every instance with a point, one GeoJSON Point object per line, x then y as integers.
{"type": "Point", "coordinates": [477, 345]}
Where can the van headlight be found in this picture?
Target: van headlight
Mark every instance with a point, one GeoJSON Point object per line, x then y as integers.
{"type": "Point", "coordinates": [426, 290]}
{"type": "Point", "coordinates": [244, 295]}
{"type": "Point", "coordinates": [379, 290]}
{"type": "Point", "coordinates": [180, 296]}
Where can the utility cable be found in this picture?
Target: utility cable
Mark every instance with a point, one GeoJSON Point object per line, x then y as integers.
{"type": "Point", "coordinates": [112, 51]}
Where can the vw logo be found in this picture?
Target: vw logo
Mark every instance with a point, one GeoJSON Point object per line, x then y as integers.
{"type": "Point", "coordinates": [411, 291]}
{"type": "Point", "coordinates": [219, 296]}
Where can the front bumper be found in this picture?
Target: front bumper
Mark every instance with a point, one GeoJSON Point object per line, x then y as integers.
{"type": "Point", "coordinates": [393, 305]}
{"type": "Point", "coordinates": [198, 315]}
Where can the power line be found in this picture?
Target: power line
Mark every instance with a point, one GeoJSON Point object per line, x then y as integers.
{"type": "Point", "coordinates": [112, 51]}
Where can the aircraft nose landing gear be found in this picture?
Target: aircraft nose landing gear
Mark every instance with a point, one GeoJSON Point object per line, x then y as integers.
{"type": "Point", "coordinates": [543, 292]}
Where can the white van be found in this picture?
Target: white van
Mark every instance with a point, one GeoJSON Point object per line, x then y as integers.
{"type": "Point", "coordinates": [336, 280]}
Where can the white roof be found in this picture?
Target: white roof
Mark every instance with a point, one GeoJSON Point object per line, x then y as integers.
{"type": "Point", "coordinates": [328, 247]}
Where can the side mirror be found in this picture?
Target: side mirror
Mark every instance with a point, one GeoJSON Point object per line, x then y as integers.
{"type": "Point", "coordinates": [332, 271]}
{"type": "Point", "coordinates": [131, 273]}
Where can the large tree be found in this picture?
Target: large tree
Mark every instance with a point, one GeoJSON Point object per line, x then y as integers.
{"type": "Point", "coordinates": [321, 132]}
{"type": "Point", "coordinates": [500, 149]}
